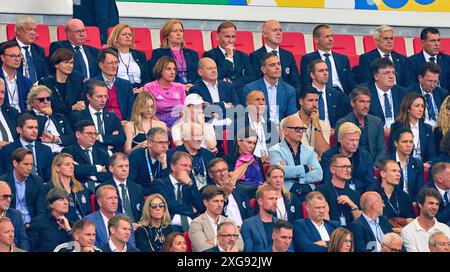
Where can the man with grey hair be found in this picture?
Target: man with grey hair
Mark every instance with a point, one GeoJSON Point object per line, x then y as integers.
{"type": "Point", "coordinates": [150, 163]}
{"type": "Point", "coordinates": [439, 242]}
{"type": "Point", "coordinates": [392, 242]}
{"type": "Point", "coordinates": [8, 118]}
{"type": "Point", "coordinates": [34, 62]}
{"type": "Point", "coordinates": [384, 39]}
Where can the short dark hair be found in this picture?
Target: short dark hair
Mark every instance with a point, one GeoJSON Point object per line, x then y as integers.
{"type": "Point", "coordinates": [161, 64]}
{"type": "Point", "coordinates": [114, 157]}
{"type": "Point", "coordinates": [312, 65]}
{"type": "Point", "coordinates": [426, 30]}
{"type": "Point", "coordinates": [262, 61]}
{"type": "Point", "coordinates": [60, 55]}
{"type": "Point", "coordinates": [398, 133]}
{"type": "Point", "coordinates": [178, 155]}
{"type": "Point", "coordinates": [431, 67]}
{"type": "Point", "coordinates": [211, 191]}
{"type": "Point", "coordinates": [226, 24]}
{"type": "Point", "coordinates": [380, 63]}
{"type": "Point", "coordinates": [316, 30]}
{"type": "Point", "coordinates": [80, 125]}
{"type": "Point", "coordinates": [8, 44]}
{"type": "Point", "coordinates": [24, 118]}
{"type": "Point", "coordinates": [281, 224]}
{"type": "Point", "coordinates": [215, 161]}
{"type": "Point", "coordinates": [93, 84]}
{"type": "Point", "coordinates": [427, 191]}
{"type": "Point", "coordinates": [383, 163]}
{"type": "Point", "coordinates": [19, 154]}
{"type": "Point", "coordinates": [55, 194]}
{"type": "Point", "coordinates": [359, 90]}
{"type": "Point", "coordinates": [308, 90]}
{"type": "Point", "coordinates": [81, 224]}
{"type": "Point", "coordinates": [102, 54]}
{"type": "Point", "coordinates": [335, 157]}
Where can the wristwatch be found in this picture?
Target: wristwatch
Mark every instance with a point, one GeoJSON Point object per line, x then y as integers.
{"type": "Point", "coordinates": [317, 129]}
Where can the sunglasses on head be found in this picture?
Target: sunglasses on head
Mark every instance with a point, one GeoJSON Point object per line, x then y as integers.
{"type": "Point", "coordinates": [42, 99]}
{"type": "Point", "coordinates": [159, 205]}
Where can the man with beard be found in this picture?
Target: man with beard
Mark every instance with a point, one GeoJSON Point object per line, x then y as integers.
{"type": "Point", "coordinates": [257, 230]}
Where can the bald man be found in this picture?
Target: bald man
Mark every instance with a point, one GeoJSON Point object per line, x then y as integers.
{"type": "Point", "coordinates": [273, 35]}
{"type": "Point", "coordinates": [302, 169]}
{"type": "Point", "coordinates": [369, 229]}
{"type": "Point", "coordinates": [86, 65]}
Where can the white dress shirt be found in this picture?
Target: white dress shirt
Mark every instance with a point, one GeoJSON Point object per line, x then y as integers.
{"type": "Point", "coordinates": [261, 146]}
{"type": "Point", "coordinates": [281, 209]}
{"type": "Point", "coordinates": [5, 125]}
{"type": "Point", "coordinates": [416, 140]}
{"type": "Point", "coordinates": [404, 171]}
{"type": "Point", "coordinates": [12, 91]}
{"type": "Point", "coordinates": [85, 58]}
{"type": "Point", "coordinates": [428, 56]}
{"type": "Point", "coordinates": [114, 248]}
{"type": "Point", "coordinates": [213, 91]}
{"type": "Point", "coordinates": [128, 68]}
{"type": "Point", "coordinates": [120, 192]}
{"type": "Point", "coordinates": [324, 236]}
{"type": "Point", "coordinates": [24, 58]}
{"type": "Point", "coordinates": [232, 211]}
{"type": "Point", "coordinates": [336, 81]}
{"type": "Point", "coordinates": [273, 105]}
{"type": "Point", "coordinates": [50, 127]}
{"type": "Point", "coordinates": [224, 52]}
{"type": "Point", "coordinates": [388, 121]}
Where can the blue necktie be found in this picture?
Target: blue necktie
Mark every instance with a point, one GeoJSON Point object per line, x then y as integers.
{"type": "Point", "coordinates": [432, 59]}
{"type": "Point", "coordinates": [30, 65]}
{"type": "Point", "coordinates": [445, 198]}
{"type": "Point", "coordinates": [33, 169]}
{"type": "Point", "coordinates": [430, 108]}
{"type": "Point", "coordinates": [80, 60]}
{"type": "Point", "coordinates": [330, 71]}
{"type": "Point", "coordinates": [321, 107]}
{"type": "Point", "coordinates": [387, 106]}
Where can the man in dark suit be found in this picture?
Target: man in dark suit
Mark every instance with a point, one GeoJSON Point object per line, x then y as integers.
{"type": "Point", "coordinates": [119, 229]}
{"type": "Point", "coordinates": [103, 14]}
{"type": "Point", "coordinates": [234, 65]}
{"type": "Point", "coordinates": [8, 119]}
{"type": "Point", "coordinates": [428, 87]}
{"type": "Point", "coordinates": [131, 195]}
{"type": "Point", "coordinates": [17, 85]}
{"type": "Point", "coordinates": [227, 236]}
{"type": "Point", "coordinates": [150, 163]}
{"type": "Point", "coordinates": [234, 196]}
{"type": "Point", "coordinates": [273, 36]}
{"type": "Point", "coordinates": [120, 91]}
{"type": "Point", "coordinates": [441, 172]}
{"type": "Point", "coordinates": [91, 161]}
{"type": "Point", "coordinates": [312, 234]}
{"type": "Point", "coordinates": [372, 133]}
{"type": "Point", "coordinates": [27, 127]}
{"type": "Point", "coordinates": [184, 200]}
{"type": "Point", "coordinates": [431, 44]}
{"type": "Point", "coordinates": [384, 39]}
{"type": "Point", "coordinates": [25, 186]}
{"type": "Point", "coordinates": [386, 95]}
{"type": "Point", "coordinates": [339, 70]}
{"type": "Point", "coordinates": [110, 134]}
{"type": "Point", "coordinates": [86, 65]}
{"type": "Point", "coordinates": [16, 217]}
{"type": "Point", "coordinates": [280, 96]}
{"type": "Point", "coordinates": [369, 229]}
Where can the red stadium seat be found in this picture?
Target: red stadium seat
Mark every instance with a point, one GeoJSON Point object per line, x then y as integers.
{"type": "Point", "coordinates": [142, 40]}
{"type": "Point", "coordinates": [376, 172]}
{"type": "Point", "coordinates": [253, 204]}
{"type": "Point", "coordinates": [331, 139]}
{"type": "Point", "coordinates": [295, 43]}
{"type": "Point", "coordinates": [225, 135]}
{"type": "Point", "coordinates": [354, 60]}
{"type": "Point", "coordinates": [92, 36]}
{"type": "Point", "coordinates": [416, 208]}
{"type": "Point", "coordinates": [399, 44]}
{"type": "Point", "coordinates": [244, 41]}
{"type": "Point", "coordinates": [93, 201]}
{"type": "Point", "coordinates": [43, 39]}
{"type": "Point", "coordinates": [188, 241]}
{"type": "Point", "coordinates": [194, 40]}
{"type": "Point", "coordinates": [417, 45]}
{"type": "Point", "coordinates": [343, 44]}
{"type": "Point", "coordinates": [266, 168]}
{"type": "Point", "coordinates": [304, 210]}
{"type": "Point", "coordinates": [426, 173]}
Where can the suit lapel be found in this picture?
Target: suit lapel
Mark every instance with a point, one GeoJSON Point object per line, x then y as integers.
{"type": "Point", "coordinates": [206, 95]}
{"type": "Point", "coordinates": [375, 101]}
{"type": "Point", "coordinates": [367, 227]}
{"type": "Point", "coordinates": [314, 232]}
{"type": "Point", "coordinates": [260, 228]}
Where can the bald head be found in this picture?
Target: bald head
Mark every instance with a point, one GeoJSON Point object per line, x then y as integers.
{"type": "Point", "coordinates": [76, 32]}
{"type": "Point", "coordinates": [372, 204]}
{"type": "Point", "coordinates": [207, 69]}
{"type": "Point", "coordinates": [272, 33]}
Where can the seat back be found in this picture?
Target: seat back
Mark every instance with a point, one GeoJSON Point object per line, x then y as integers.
{"type": "Point", "coordinates": [194, 40]}
{"type": "Point", "coordinates": [343, 44]}
{"type": "Point", "coordinates": [93, 202]}
{"type": "Point", "coordinates": [295, 43]}
{"type": "Point", "coordinates": [43, 39]}
{"type": "Point", "coordinates": [92, 36]}
{"type": "Point", "coordinates": [188, 241]}
{"type": "Point", "coordinates": [244, 41]}
{"type": "Point", "coordinates": [304, 210]}
{"type": "Point", "coordinates": [142, 40]}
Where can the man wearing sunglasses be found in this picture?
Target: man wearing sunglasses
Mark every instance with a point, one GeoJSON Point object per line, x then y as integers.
{"type": "Point", "coordinates": [302, 169]}
{"type": "Point", "coordinates": [20, 236]}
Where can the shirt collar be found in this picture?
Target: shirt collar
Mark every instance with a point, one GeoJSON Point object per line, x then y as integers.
{"type": "Point", "coordinates": [109, 84]}
{"type": "Point", "coordinates": [73, 46]}
{"type": "Point", "coordinates": [427, 56]}
{"type": "Point", "coordinates": [173, 180]}
{"type": "Point", "coordinates": [268, 84]}
{"type": "Point", "coordinates": [222, 50]}
{"type": "Point", "coordinates": [84, 148]}
{"type": "Point", "coordinates": [381, 92]}
{"type": "Point", "coordinates": [414, 126]}
{"type": "Point", "coordinates": [442, 192]}
{"type": "Point", "coordinates": [118, 183]}
{"type": "Point", "coordinates": [17, 181]}
{"type": "Point", "coordinates": [269, 50]}
{"type": "Point", "coordinates": [24, 144]}
{"type": "Point", "coordinates": [113, 247]}
{"type": "Point", "coordinates": [215, 85]}
{"type": "Point", "coordinates": [211, 220]}
{"type": "Point", "coordinates": [419, 227]}
{"type": "Point", "coordinates": [7, 77]}
{"type": "Point", "coordinates": [92, 111]}
{"type": "Point", "coordinates": [382, 53]}
{"type": "Point", "coordinates": [323, 90]}
{"type": "Point", "coordinates": [317, 225]}
{"type": "Point", "coordinates": [21, 44]}
{"type": "Point", "coordinates": [323, 52]}
{"type": "Point", "coordinates": [370, 221]}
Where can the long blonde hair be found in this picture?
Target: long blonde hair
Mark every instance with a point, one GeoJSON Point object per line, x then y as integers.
{"type": "Point", "coordinates": [139, 106]}
{"type": "Point", "coordinates": [146, 218]}
{"type": "Point", "coordinates": [114, 36]}
{"type": "Point", "coordinates": [56, 178]}
{"type": "Point", "coordinates": [443, 120]}
{"type": "Point", "coordinates": [284, 191]}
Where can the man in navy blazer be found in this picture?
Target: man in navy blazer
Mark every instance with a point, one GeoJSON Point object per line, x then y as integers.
{"type": "Point", "coordinates": [119, 167]}
{"type": "Point", "coordinates": [234, 65]}
{"type": "Point", "coordinates": [103, 14]}
{"type": "Point", "coordinates": [111, 136]}
{"type": "Point", "coordinates": [16, 217]}
{"type": "Point", "coordinates": [341, 76]}
{"type": "Point", "coordinates": [16, 94]}
{"type": "Point", "coordinates": [385, 92]}
{"type": "Point", "coordinates": [120, 91]}
{"type": "Point", "coordinates": [10, 115]}
{"type": "Point", "coordinates": [27, 126]}
{"type": "Point", "coordinates": [384, 39]}
{"type": "Point", "coordinates": [369, 229]}
{"type": "Point", "coordinates": [86, 65]}
{"type": "Point", "coordinates": [280, 96]}
{"type": "Point", "coordinates": [428, 87]}
{"type": "Point", "coordinates": [440, 172]}
{"type": "Point", "coordinates": [273, 36]}
{"type": "Point", "coordinates": [119, 229]}
{"type": "Point", "coordinates": [312, 234]}
{"type": "Point", "coordinates": [431, 48]}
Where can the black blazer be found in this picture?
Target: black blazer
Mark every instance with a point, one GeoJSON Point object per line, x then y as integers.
{"type": "Point", "coordinates": [397, 92]}
{"type": "Point", "coordinates": [400, 63]}
{"type": "Point", "coordinates": [363, 235]}
{"type": "Point", "coordinates": [45, 234]}
{"type": "Point", "coordinates": [443, 214]}
{"type": "Point", "coordinates": [74, 92]}
{"type": "Point", "coordinates": [415, 63]}
{"type": "Point", "coordinates": [91, 54]}
{"type": "Point", "coordinates": [338, 105]}
{"type": "Point", "coordinates": [10, 114]}
{"type": "Point", "coordinates": [32, 189]}
{"type": "Point", "coordinates": [43, 161]}
{"type": "Point", "coordinates": [83, 169]}
{"type": "Point", "coordinates": [141, 60]}
{"type": "Point", "coordinates": [136, 196]}
{"type": "Point", "coordinates": [39, 60]}
{"type": "Point", "coordinates": [227, 94]}
{"type": "Point", "coordinates": [62, 126]}
{"type": "Point", "coordinates": [289, 70]}
{"type": "Point", "coordinates": [24, 85]}
{"type": "Point", "coordinates": [190, 56]}
{"type": "Point", "coordinates": [243, 203]}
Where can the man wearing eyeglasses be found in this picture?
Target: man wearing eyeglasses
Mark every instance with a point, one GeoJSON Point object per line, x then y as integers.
{"type": "Point", "coordinates": [301, 166]}
{"type": "Point", "coordinates": [91, 162]}
{"type": "Point", "coordinates": [392, 242]}
{"type": "Point", "coordinates": [17, 85]}
{"type": "Point", "coordinates": [439, 242]}
{"type": "Point", "coordinates": [150, 163]}
{"type": "Point", "coordinates": [16, 217]}
{"type": "Point", "coordinates": [227, 237]}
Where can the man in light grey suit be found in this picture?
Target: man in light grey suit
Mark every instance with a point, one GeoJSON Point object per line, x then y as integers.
{"type": "Point", "coordinates": [301, 166]}
{"type": "Point", "coordinates": [372, 131]}
{"type": "Point", "coordinates": [203, 229]}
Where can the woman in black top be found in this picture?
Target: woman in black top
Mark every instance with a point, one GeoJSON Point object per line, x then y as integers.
{"type": "Point", "coordinates": [154, 225]}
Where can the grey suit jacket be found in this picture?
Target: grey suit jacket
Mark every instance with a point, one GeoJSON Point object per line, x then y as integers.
{"type": "Point", "coordinates": [200, 231]}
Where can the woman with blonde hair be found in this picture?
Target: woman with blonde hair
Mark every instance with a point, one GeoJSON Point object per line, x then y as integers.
{"type": "Point", "coordinates": [443, 122]}
{"type": "Point", "coordinates": [174, 46]}
{"type": "Point", "coordinates": [154, 225]}
{"type": "Point", "coordinates": [143, 118]}
{"type": "Point", "coordinates": [63, 177]}
{"type": "Point", "coordinates": [132, 63]}
{"type": "Point", "coordinates": [341, 240]}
